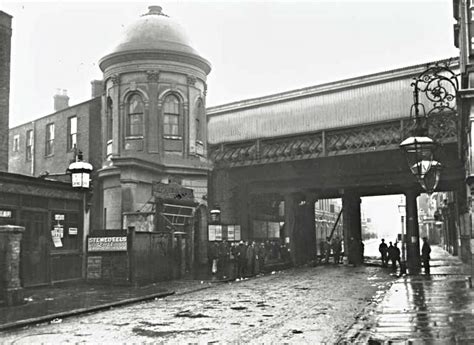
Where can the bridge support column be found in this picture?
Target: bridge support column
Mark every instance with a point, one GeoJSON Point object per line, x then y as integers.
{"type": "Point", "coordinates": [352, 228]}
{"type": "Point", "coordinates": [291, 204]}
{"type": "Point", "coordinates": [300, 227]}
{"type": "Point", "coordinates": [413, 233]}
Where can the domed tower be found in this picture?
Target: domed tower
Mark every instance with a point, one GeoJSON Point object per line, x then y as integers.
{"type": "Point", "coordinates": [153, 119]}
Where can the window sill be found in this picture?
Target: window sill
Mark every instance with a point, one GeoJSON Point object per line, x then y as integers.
{"type": "Point", "coordinates": [48, 156]}
{"type": "Point", "coordinates": [134, 137]}
{"type": "Point", "coordinates": [173, 137]}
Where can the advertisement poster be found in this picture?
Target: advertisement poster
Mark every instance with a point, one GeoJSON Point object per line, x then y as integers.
{"type": "Point", "coordinates": [56, 236]}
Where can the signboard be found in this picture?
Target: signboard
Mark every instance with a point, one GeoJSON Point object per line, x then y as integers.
{"type": "Point", "coordinates": [59, 217]}
{"type": "Point", "coordinates": [56, 236]}
{"type": "Point", "coordinates": [72, 231]}
{"type": "Point", "coordinates": [218, 232]}
{"type": "Point", "coordinates": [212, 232]}
{"type": "Point", "coordinates": [230, 233]}
{"type": "Point", "coordinates": [5, 214]}
{"type": "Point", "coordinates": [94, 267]}
{"type": "Point", "coordinates": [237, 232]}
{"type": "Point", "coordinates": [107, 244]}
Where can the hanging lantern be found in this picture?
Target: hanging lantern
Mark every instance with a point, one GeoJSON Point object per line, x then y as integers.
{"type": "Point", "coordinates": [430, 180]}
{"type": "Point", "coordinates": [419, 152]}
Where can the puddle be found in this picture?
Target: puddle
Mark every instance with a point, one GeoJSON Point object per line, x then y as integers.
{"type": "Point", "coordinates": [188, 313]}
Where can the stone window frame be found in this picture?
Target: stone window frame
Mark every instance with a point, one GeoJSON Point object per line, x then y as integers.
{"type": "Point", "coordinates": [138, 115]}
{"type": "Point", "coordinates": [178, 116]}
{"type": "Point", "coordinates": [16, 143]}
{"type": "Point", "coordinates": [109, 128]}
{"type": "Point", "coordinates": [72, 137]}
{"type": "Point", "coordinates": [49, 139]}
{"type": "Point", "coordinates": [29, 145]}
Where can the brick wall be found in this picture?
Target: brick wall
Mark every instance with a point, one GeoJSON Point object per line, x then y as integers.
{"type": "Point", "coordinates": [88, 140]}
{"type": "Point", "coordinates": [5, 50]}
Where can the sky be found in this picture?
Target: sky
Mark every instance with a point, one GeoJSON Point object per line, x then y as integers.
{"type": "Point", "coordinates": [256, 48]}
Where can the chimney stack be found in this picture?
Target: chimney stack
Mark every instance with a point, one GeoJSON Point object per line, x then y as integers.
{"type": "Point", "coordinates": [97, 88]}
{"type": "Point", "coordinates": [61, 100]}
{"type": "Point", "coordinates": [5, 52]}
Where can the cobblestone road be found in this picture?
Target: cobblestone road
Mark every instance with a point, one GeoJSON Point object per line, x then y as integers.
{"type": "Point", "coordinates": [304, 305]}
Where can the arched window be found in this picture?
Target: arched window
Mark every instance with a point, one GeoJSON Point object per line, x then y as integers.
{"type": "Point", "coordinates": [135, 116]}
{"type": "Point", "coordinates": [171, 117]}
{"type": "Point", "coordinates": [199, 120]}
{"type": "Point", "coordinates": [110, 128]}
{"type": "Point", "coordinates": [110, 120]}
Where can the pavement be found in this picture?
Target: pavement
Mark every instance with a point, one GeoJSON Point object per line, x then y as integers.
{"type": "Point", "coordinates": [435, 308]}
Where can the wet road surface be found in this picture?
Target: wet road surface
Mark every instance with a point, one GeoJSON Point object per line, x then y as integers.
{"type": "Point", "coordinates": [422, 309]}
{"type": "Point", "coordinates": [304, 305]}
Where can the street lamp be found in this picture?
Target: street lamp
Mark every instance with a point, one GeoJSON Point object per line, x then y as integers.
{"type": "Point", "coordinates": [80, 174]}
{"type": "Point", "coordinates": [215, 214]}
{"type": "Point", "coordinates": [439, 85]}
{"type": "Point", "coordinates": [401, 210]}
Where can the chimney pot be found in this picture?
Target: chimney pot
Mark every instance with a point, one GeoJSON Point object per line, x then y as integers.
{"type": "Point", "coordinates": [61, 100]}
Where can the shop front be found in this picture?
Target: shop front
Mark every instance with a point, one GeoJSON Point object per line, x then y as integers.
{"type": "Point", "coordinates": [52, 213]}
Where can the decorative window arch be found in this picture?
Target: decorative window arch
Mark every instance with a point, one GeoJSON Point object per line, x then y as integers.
{"type": "Point", "coordinates": [135, 112]}
{"type": "Point", "coordinates": [172, 117]}
{"type": "Point", "coordinates": [199, 120]}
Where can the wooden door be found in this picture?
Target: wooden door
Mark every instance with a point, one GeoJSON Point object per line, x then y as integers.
{"type": "Point", "coordinates": [34, 262]}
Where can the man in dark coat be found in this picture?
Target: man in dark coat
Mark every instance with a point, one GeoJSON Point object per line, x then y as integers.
{"type": "Point", "coordinates": [383, 252]}
{"type": "Point", "coordinates": [241, 260]}
{"type": "Point", "coordinates": [425, 255]}
{"type": "Point", "coordinates": [391, 255]}
{"type": "Point", "coordinates": [337, 249]}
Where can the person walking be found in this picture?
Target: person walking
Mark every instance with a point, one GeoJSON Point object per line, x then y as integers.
{"type": "Point", "coordinates": [337, 249]}
{"type": "Point", "coordinates": [425, 255]}
{"type": "Point", "coordinates": [391, 255]}
{"type": "Point", "coordinates": [396, 253]}
{"type": "Point", "coordinates": [327, 250]}
{"type": "Point", "coordinates": [383, 252]}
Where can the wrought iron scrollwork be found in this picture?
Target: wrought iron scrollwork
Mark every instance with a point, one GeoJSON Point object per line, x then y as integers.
{"type": "Point", "coordinates": [439, 84]}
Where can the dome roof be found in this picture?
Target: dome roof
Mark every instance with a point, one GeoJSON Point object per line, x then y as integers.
{"type": "Point", "coordinates": [154, 31]}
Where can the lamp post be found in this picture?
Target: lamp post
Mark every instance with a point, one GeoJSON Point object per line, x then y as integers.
{"type": "Point", "coordinates": [401, 210]}
{"type": "Point", "coordinates": [439, 85]}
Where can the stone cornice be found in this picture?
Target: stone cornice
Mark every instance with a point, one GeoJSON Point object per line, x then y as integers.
{"type": "Point", "coordinates": [163, 55]}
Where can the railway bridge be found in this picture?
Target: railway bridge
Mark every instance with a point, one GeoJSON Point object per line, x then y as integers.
{"type": "Point", "coordinates": [274, 156]}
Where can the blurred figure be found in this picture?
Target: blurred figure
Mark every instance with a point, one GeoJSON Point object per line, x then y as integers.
{"type": "Point", "coordinates": [327, 250]}
{"type": "Point", "coordinates": [425, 255]}
{"type": "Point", "coordinates": [383, 252]}
{"type": "Point", "coordinates": [337, 249]}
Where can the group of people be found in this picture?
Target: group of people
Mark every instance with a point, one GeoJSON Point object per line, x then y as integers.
{"type": "Point", "coordinates": [243, 259]}
{"type": "Point", "coordinates": [392, 253]}
{"type": "Point", "coordinates": [334, 246]}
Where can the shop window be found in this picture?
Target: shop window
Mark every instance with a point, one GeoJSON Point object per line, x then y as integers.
{"type": "Point", "coordinates": [72, 133]}
{"type": "Point", "coordinates": [135, 116]}
{"type": "Point", "coordinates": [49, 147]}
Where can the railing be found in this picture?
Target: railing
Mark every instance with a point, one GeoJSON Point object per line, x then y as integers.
{"type": "Point", "coordinates": [368, 138]}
